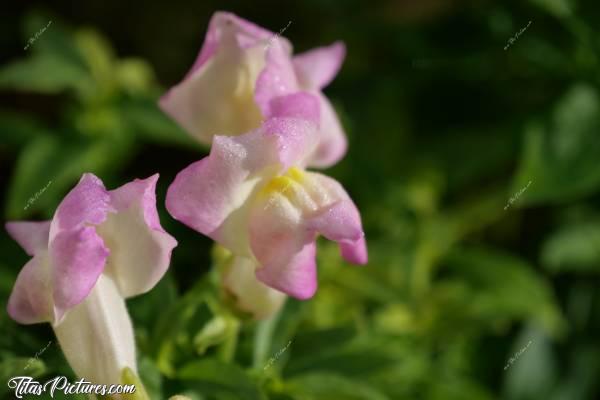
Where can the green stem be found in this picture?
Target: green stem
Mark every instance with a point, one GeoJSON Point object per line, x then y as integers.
{"type": "Point", "coordinates": [227, 349]}
{"type": "Point", "coordinates": [262, 340]}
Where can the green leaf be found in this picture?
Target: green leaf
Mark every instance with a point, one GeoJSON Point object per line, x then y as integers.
{"type": "Point", "coordinates": [43, 73]}
{"type": "Point", "coordinates": [18, 366]}
{"type": "Point", "coordinates": [561, 154]}
{"type": "Point", "coordinates": [100, 60]}
{"type": "Point", "coordinates": [331, 387]}
{"type": "Point", "coordinates": [334, 350]}
{"type": "Point", "coordinates": [18, 129]}
{"type": "Point", "coordinates": [173, 337]}
{"type": "Point", "coordinates": [150, 375]}
{"type": "Point", "coordinates": [134, 75]}
{"type": "Point", "coordinates": [558, 8]}
{"type": "Point", "coordinates": [498, 288]}
{"type": "Point", "coordinates": [532, 372]}
{"type": "Point", "coordinates": [573, 248]}
{"type": "Point", "coordinates": [48, 167]}
{"type": "Point", "coordinates": [145, 308]}
{"type": "Point", "coordinates": [457, 389]}
{"type": "Point", "coordinates": [212, 377]}
{"type": "Point", "coordinates": [151, 124]}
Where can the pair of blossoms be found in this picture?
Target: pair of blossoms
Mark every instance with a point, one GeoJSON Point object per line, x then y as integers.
{"type": "Point", "coordinates": [251, 194]}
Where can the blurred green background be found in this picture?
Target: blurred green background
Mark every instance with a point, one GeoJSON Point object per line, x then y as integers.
{"type": "Point", "coordinates": [476, 168]}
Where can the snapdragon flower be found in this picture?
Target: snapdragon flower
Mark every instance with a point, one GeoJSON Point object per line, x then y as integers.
{"type": "Point", "coordinates": [240, 70]}
{"type": "Point", "coordinates": [99, 248]}
{"type": "Point", "coordinates": [253, 196]}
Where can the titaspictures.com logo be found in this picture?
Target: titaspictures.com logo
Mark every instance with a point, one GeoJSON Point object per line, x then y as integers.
{"type": "Point", "coordinates": [26, 385]}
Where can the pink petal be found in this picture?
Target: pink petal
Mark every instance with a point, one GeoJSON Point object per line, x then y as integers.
{"type": "Point", "coordinates": [86, 204]}
{"type": "Point", "coordinates": [32, 236]}
{"type": "Point", "coordinates": [296, 139]}
{"type": "Point", "coordinates": [340, 221]}
{"type": "Point", "coordinates": [280, 240]}
{"type": "Point", "coordinates": [333, 143]}
{"type": "Point", "coordinates": [140, 248]}
{"type": "Point", "coordinates": [355, 252]}
{"type": "Point", "coordinates": [301, 105]}
{"type": "Point", "coordinates": [211, 195]}
{"type": "Point", "coordinates": [298, 277]}
{"type": "Point", "coordinates": [77, 258]}
{"type": "Point", "coordinates": [316, 68]}
{"type": "Point", "coordinates": [278, 78]}
{"type": "Point", "coordinates": [139, 193]}
{"type": "Point", "coordinates": [286, 216]}
{"type": "Point", "coordinates": [247, 35]}
{"type": "Point", "coordinates": [29, 301]}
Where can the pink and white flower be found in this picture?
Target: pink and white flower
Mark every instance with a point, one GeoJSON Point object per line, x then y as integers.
{"type": "Point", "coordinates": [99, 248]}
{"type": "Point", "coordinates": [240, 70]}
{"type": "Point", "coordinates": [253, 196]}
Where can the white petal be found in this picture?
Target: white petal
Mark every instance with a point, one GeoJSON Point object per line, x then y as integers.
{"type": "Point", "coordinates": [218, 99]}
{"type": "Point", "coordinates": [96, 336]}
{"type": "Point", "coordinates": [252, 295]}
{"type": "Point", "coordinates": [140, 250]}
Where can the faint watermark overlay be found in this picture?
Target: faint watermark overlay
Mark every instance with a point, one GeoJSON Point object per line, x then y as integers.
{"type": "Point", "coordinates": [516, 196]}
{"type": "Point", "coordinates": [514, 38]}
{"type": "Point", "coordinates": [36, 36]}
{"type": "Point", "coordinates": [279, 353]}
{"type": "Point", "coordinates": [37, 355]}
{"type": "Point", "coordinates": [26, 385]}
{"type": "Point", "coordinates": [35, 197]}
{"type": "Point", "coordinates": [270, 42]}
{"type": "Point", "coordinates": [517, 355]}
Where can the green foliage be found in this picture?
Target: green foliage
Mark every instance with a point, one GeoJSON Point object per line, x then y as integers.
{"type": "Point", "coordinates": [560, 155]}
{"type": "Point", "coordinates": [573, 248]}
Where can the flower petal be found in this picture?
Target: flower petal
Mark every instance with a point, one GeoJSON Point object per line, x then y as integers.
{"type": "Point", "coordinates": [211, 195]}
{"type": "Point", "coordinates": [284, 220]}
{"type": "Point", "coordinates": [301, 105]}
{"type": "Point", "coordinates": [355, 252]}
{"type": "Point", "coordinates": [31, 299]}
{"type": "Point", "coordinates": [87, 203]}
{"type": "Point", "coordinates": [316, 68]}
{"type": "Point", "coordinates": [333, 143]}
{"type": "Point", "coordinates": [338, 218]}
{"type": "Point", "coordinates": [298, 277]}
{"type": "Point", "coordinates": [296, 139]}
{"type": "Point", "coordinates": [217, 95]}
{"type": "Point", "coordinates": [245, 32]}
{"type": "Point", "coordinates": [97, 336]}
{"type": "Point", "coordinates": [281, 245]}
{"type": "Point", "coordinates": [277, 78]}
{"type": "Point", "coordinates": [77, 259]}
{"type": "Point", "coordinates": [140, 248]}
{"type": "Point", "coordinates": [251, 295]}
{"type": "Point", "coordinates": [339, 221]}
{"type": "Point", "coordinates": [32, 236]}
